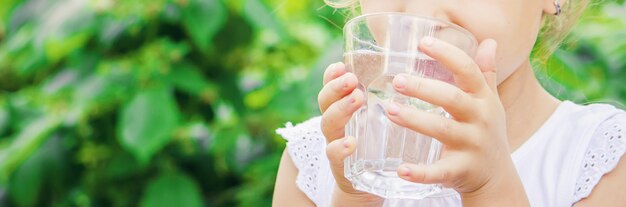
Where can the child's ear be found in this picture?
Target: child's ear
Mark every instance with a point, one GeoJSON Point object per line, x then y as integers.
{"type": "Point", "coordinates": [550, 6]}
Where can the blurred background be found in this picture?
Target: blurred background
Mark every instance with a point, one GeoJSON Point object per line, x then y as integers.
{"type": "Point", "coordinates": [175, 102]}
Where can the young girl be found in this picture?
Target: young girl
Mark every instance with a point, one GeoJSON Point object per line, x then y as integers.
{"type": "Point", "coordinates": [510, 143]}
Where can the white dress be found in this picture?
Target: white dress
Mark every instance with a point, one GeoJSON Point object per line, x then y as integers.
{"type": "Point", "coordinates": [559, 165]}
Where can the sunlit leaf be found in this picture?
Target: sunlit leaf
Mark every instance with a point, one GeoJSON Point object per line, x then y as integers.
{"type": "Point", "coordinates": [59, 48]}
{"type": "Point", "coordinates": [260, 98]}
{"type": "Point", "coordinates": [5, 8]}
{"type": "Point", "coordinates": [44, 166]}
{"type": "Point", "coordinates": [202, 20]}
{"type": "Point", "coordinates": [147, 122]}
{"type": "Point", "coordinates": [26, 143]}
{"type": "Point", "coordinates": [172, 189]}
{"type": "Point", "coordinates": [261, 17]}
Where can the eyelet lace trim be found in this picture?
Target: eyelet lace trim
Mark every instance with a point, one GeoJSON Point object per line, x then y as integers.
{"type": "Point", "coordinates": [603, 153]}
{"type": "Point", "coordinates": [305, 145]}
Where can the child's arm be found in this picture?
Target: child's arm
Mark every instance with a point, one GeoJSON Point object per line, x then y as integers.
{"type": "Point", "coordinates": [610, 191]}
{"type": "Point", "coordinates": [286, 193]}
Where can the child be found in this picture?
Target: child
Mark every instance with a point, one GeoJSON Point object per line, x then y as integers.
{"type": "Point", "coordinates": [561, 153]}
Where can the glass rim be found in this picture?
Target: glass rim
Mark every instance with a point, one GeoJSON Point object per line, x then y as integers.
{"type": "Point", "coordinates": [413, 16]}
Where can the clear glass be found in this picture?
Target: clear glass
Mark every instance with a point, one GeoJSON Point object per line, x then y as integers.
{"type": "Point", "coordinates": [377, 47]}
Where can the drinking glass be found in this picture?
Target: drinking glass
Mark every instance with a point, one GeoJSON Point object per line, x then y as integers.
{"type": "Point", "coordinates": [377, 47]}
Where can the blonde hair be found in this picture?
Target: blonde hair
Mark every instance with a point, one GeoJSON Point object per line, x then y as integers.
{"type": "Point", "coordinates": [553, 30]}
{"type": "Point", "coordinates": [341, 3]}
{"type": "Point", "coordinates": [556, 27]}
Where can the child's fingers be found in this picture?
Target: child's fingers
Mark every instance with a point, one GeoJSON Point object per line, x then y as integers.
{"type": "Point", "coordinates": [447, 131]}
{"type": "Point", "coordinates": [465, 71]}
{"type": "Point", "coordinates": [339, 113]}
{"type": "Point", "coordinates": [486, 60]}
{"type": "Point", "coordinates": [337, 151]}
{"type": "Point", "coordinates": [335, 90]}
{"type": "Point", "coordinates": [333, 71]}
{"type": "Point", "coordinates": [456, 102]}
{"type": "Point", "coordinates": [443, 171]}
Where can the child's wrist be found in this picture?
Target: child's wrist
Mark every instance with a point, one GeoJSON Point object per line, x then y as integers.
{"type": "Point", "coordinates": [506, 189]}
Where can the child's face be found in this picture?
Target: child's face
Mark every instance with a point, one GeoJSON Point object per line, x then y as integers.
{"type": "Point", "coordinates": [514, 24]}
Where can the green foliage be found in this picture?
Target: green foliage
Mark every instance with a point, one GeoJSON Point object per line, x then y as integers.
{"type": "Point", "coordinates": [175, 102]}
{"type": "Point", "coordinates": [592, 64]}
{"type": "Point", "coordinates": [150, 103]}
{"type": "Point", "coordinates": [172, 190]}
{"type": "Point", "coordinates": [147, 122]}
{"type": "Point", "coordinates": [202, 20]}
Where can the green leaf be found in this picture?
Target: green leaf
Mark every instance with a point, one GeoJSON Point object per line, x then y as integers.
{"type": "Point", "coordinates": [5, 118]}
{"type": "Point", "coordinates": [26, 143]}
{"type": "Point", "coordinates": [202, 20]}
{"type": "Point", "coordinates": [260, 98]}
{"type": "Point", "coordinates": [262, 18]}
{"type": "Point", "coordinates": [42, 169]}
{"type": "Point", "coordinates": [25, 185]}
{"type": "Point", "coordinates": [188, 79]}
{"type": "Point", "coordinates": [260, 181]}
{"type": "Point", "coordinates": [122, 165]}
{"type": "Point", "coordinates": [58, 48]}
{"type": "Point", "coordinates": [147, 122]}
{"type": "Point", "coordinates": [5, 9]}
{"type": "Point", "coordinates": [172, 189]}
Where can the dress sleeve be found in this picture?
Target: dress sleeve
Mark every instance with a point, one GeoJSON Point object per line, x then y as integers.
{"type": "Point", "coordinates": [306, 145]}
{"type": "Point", "coordinates": [606, 147]}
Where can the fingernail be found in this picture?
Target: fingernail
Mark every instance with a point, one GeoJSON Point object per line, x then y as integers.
{"type": "Point", "coordinates": [351, 98]}
{"type": "Point", "coordinates": [346, 143]}
{"type": "Point", "coordinates": [355, 94]}
{"type": "Point", "coordinates": [404, 171]}
{"type": "Point", "coordinates": [400, 81]}
{"type": "Point", "coordinates": [428, 41]}
{"type": "Point", "coordinates": [335, 66]}
{"type": "Point", "coordinates": [345, 82]}
{"type": "Point", "coordinates": [392, 109]}
{"type": "Point", "coordinates": [333, 72]}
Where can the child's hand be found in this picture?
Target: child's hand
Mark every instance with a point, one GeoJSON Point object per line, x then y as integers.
{"type": "Point", "coordinates": [338, 100]}
{"type": "Point", "coordinates": [476, 161]}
